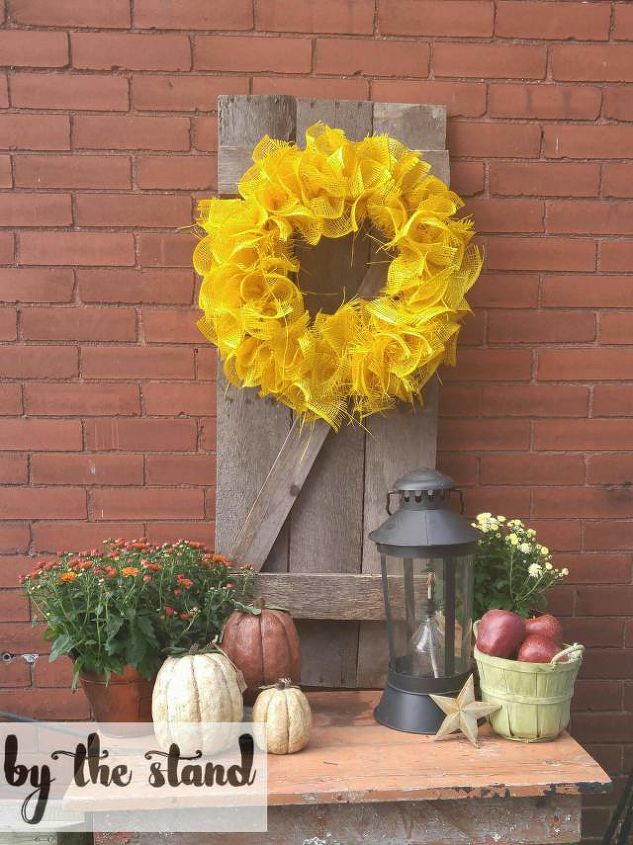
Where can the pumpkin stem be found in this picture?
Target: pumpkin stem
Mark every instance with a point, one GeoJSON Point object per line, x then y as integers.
{"type": "Point", "coordinates": [285, 683]}
{"type": "Point", "coordinates": [195, 648]}
{"type": "Point", "coordinates": [260, 602]}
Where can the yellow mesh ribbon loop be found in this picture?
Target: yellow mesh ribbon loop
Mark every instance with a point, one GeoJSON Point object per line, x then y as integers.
{"type": "Point", "coordinates": [369, 354]}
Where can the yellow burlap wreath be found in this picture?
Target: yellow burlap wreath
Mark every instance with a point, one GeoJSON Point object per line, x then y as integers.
{"type": "Point", "coordinates": [369, 353]}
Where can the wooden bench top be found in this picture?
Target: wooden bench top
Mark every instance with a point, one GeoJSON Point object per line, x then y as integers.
{"type": "Point", "coordinates": [351, 758]}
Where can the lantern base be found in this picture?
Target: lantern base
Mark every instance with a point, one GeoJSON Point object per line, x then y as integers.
{"type": "Point", "coordinates": [412, 711]}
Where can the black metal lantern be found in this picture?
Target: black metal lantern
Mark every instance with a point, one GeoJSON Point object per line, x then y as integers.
{"type": "Point", "coordinates": [426, 557]}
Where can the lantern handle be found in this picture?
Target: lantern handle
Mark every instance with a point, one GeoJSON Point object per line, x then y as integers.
{"type": "Point", "coordinates": [390, 493]}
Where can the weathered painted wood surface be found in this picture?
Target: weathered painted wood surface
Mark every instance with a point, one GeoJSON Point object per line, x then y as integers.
{"type": "Point", "coordinates": [365, 784]}
{"type": "Point", "coordinates": [316, 481]}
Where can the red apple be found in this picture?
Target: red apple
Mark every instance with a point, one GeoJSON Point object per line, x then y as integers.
{"type": "Point", "coordinates": [546, 626]}
{"type": "Point", "coordinates": [500, 633]}
{"type": "Point", "coordinates": [537, 649]}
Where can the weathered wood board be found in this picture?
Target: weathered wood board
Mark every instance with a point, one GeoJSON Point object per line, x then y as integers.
{"type": "Point", "coordinates": [331, 487]}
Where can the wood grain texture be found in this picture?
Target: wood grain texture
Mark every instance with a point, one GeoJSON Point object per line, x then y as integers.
{"type": "Point", "coordinates": [404, 439]}
{"type": "Point", "coordinates": [251, 431]}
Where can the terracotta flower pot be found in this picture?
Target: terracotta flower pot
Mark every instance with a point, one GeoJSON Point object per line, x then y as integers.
{"type": "Point", "coordinates": [124, 698]}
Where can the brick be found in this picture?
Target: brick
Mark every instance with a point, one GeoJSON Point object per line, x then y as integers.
{"type": "Point", "coordinates": [604, 601]}
{"type": "Point", "coordinates": [592, 142]}
{"type": "Point", "coordinates": [195, 399]}
{"type": "Point", "coordinates": [13, 566]}
{"type": "Point", "coordinates": [598, 569]}
{"type": "Point", "coordinates": [69, 91]}
{"type": "Point", "coordinates": [610, 469]}
{"type": "Point", "coordinates": [612, 400]}
{"type": "Point", "coordinates": [180, 173]}
{"type": "Point", "coordinates": [462, 99]}
{"type": "Point", "coordinates": [210, 502]}
{"type": "Point", "coordinates": [18, 673]}
{"type": "Point", "coordinates": [87, 469]}
{"type": "Point", "coordinates": [20, 637]}
{"type": "Point", "coordinates": [561, 602]}
{"type": "Point", "coordinates": [582, 502]}
{"type": "Point", "coordinates": [490, 365]}
{"type": "Point", "coordinates": [589, 364]}
{"type": "Point", "coordinates": [39, 361]}
{"type": "Point", "coordinates": [505, 290]}
{"type": "Point", "coordinates": [615, 256]}
{"type": "Point", "coordinates": [206, 363]}
{"type": "Point", "coordinates": [623, 22]}
{"type": "Point", "coordinates": [47, 704]}
{"type": "Point", "coordinates": [42, 503]}
{"type": "Point", "coordinates": [473, 330]}
{"type": "Point", "coordinates": [490, 61]}
{"type": "Point", "coordinates": [35, 209]}
{"type": "Point", "coordinates": [165, 250]}
{"type": "Point", "coordinates": [180, 469]}
{"type": "Point", "coordinates": [543, 179]}
{"type": "Point", "coordinates": [38, 435]}
{"type": "Point", "coordinates": [8, 324]}
{"type": "Point", "coordinates": [13, 538]}
{"type": "Point", "coordinates": [148, 503]}
{"type": "Point", "coordinates": [25, 285]}
{"type": "Point", "coordinates": [597, 728]}
{"type": "Point", "coordinates": [14, 606]}
{"type": "Point", "coordinates": [312, 87]}
{"type": "Point", "coordinates": [68, 13]}
{"type": "Point", "coordinates": [4, 91]}
{"type": "Point", "coordinates": [516, 501]}
{"type": "Point", "coordinates": [616, 179]}
{"type": "Point", "coordinates": [77, 248]}
{"type": "Point", "coordinates": [618, 103]}
{"type": "Point", "coordinates": [195, 14]}
{"type": "Point", "coordinates": [21, 48]}
{"type": "Point", "coordinates": [616, 327]}
{"type": "Point", "coordinates": [464, 469]}
{"type": "Point", "coordinates": [34, 132]}
{"type": "Point", "coordinates": [475, 435]}
{"type": "Point", "coordinates": [507, 215]}
{"type": "Point", "coordinates": [455, 19]}
{"type": "Point", "coordinates": [59, 673]}
{"type": "Point", "coordinates": [532, 469]}
{"type": "Point", "coordinates": [168, 287]}
{"type": "Point", "coordinates": [609, 535]}
{"type": "Point", "coordinates": [468, 177]}
{"type": "Point", "coordinates": [493, 140]}
{"type": "Point", "coordinates": [592, 62]}
{"type": "Point", "coordinates": [376, 58]}
{"type": "Point", "coordinates": [7, 248]}
{"type": "Point", "coordinates": [170, 326]}
{"type": "Point", "coordinates": [134, 435]}
{"type": "Point", "coordinates": [588, 291]}
{"type": "Point", "coordinates": [13, 470]}
{"type": "Point", "coordinates": [6, 177]}
{"type": "Point", "coordinates": [79, 324]}
{"type": "Point", "coordinates": [72, 171]}
{"type": "Point", "coordinates": [114, 132]}
{"type": "Point", "coordinates": [84, 400]}
{"type": "Point", "coordinates": [577, 21]}
{"type": "Point", "coordinates": [581, 217]}
{"type": "Point", "coordinates": [50, 536]}
{"type": "Point", "coordinates": [583, 435]}
{"type": "Point", "coordinates": [332, 16]}
{"type": "Point", "coordinates": [169, 532]}
{"type": "Point", "coordinates": [118, 362]}
{"type": "Point", "coordinates": [541, 326]}
{"type": "Point", "coordinates": [183, 93]}
{"type": "Point", "coordinates": [133, 210]}
{"type": "Point", "coordinates": [255, 54]}
{"type": "Point", "coordinates": [204, 134]}
{"type": "Point", "coordinates": [130, 51]}
{"type": "Point", "coordinates": [548, 253]}
{"type": "Point", "coordinates": [10, 399]}
{"type": "Point", "coordinates": [536, 400]}
{"type": "Point", "coordinates": [208, 434]}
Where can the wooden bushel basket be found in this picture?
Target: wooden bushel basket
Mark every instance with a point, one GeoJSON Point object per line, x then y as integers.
{"type": "Point", "coordinates": [534, 697]}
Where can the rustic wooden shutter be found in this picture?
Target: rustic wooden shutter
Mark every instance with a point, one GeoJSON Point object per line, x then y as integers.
{"type": "Point", "coordinates": [298, 503]}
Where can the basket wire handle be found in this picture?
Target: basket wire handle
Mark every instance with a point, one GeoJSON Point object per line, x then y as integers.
{"type": "Point", "coordinates": [574, 650]}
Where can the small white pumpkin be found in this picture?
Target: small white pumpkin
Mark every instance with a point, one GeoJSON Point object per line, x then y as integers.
{"type": "Point", "coordinates": [191, 695]}
{"type": "Point", "coordinates": [285, 711]}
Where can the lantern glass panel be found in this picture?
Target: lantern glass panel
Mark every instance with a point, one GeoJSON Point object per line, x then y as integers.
{"type": "Point", "coordinates": [430, 601]}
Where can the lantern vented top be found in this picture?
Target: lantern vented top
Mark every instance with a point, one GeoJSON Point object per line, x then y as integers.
{"type": "Point", "coordinates": [424, 479]}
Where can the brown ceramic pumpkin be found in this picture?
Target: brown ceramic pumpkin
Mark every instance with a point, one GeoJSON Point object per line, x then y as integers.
{"type": "Point", "coordinates": [264, 645]}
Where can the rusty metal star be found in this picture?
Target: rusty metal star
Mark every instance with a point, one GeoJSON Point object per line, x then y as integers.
{"type": "Point", "coordinates": [462, 713]}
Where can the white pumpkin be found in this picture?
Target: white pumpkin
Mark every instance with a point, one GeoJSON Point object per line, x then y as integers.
{"type": "Point", "coordinates": [285, 711]}
{"type": "Point", "coordinates": [191, 695]}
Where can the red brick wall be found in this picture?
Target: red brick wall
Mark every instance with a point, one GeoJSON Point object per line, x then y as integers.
{"type": "Point", "coordinates": [108, 132]}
